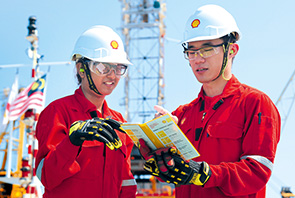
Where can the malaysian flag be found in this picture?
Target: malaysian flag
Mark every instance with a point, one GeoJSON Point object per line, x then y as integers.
{"type": "Point", "coordinates": [32, 97]}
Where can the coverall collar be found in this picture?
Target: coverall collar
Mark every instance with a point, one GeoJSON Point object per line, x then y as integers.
{"type": "Point", "coordinates": [231, 87]}
{"type": "Point", "coordinates": [86, 106]}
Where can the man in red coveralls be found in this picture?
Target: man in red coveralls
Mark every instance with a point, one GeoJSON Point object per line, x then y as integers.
{"type": "Point", "coordinates": [235, 127]}
{"type": "Point", "coordinates": [82, 150]}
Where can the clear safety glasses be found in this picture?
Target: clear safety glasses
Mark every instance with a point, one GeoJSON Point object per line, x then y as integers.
{"type": "Point", "coordinates": [105, 68]}
{"type": "Point", "coordinates": [204, 52]}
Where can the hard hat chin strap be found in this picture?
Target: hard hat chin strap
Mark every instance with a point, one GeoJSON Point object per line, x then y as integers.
{"type": "Point", "coordinates": [225, 59]}
{"type": "Point", "coordinates": [87, 72]}
{"type": "Point", "coordinates": [224, 63]}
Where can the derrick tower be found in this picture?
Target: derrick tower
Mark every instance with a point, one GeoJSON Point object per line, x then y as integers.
{"type": "Point", "coordinates": [144, 30]}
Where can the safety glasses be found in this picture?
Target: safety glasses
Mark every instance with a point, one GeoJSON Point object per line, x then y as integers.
{"type": "Point", "coordinates": [204, 52]}
{"type": "Point", "coordinates": [105, 68]}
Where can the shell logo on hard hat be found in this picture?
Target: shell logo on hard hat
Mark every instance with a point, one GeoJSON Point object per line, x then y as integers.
{"type": "Point", "coordinates": [114, 44]}
{"type": "Point", "coordinates": [195, 23]}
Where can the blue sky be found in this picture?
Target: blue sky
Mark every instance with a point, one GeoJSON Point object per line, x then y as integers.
{"type": "Point", "coordinates": [265, 59]}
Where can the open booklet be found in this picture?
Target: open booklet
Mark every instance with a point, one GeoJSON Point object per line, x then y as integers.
{"type": "Point", "coordinates": [161, 132]}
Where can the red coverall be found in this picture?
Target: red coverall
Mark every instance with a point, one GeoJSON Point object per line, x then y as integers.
{"type": "Point", "coordinates": [237, 134]}
{"type": "Point", "coordinates": [92, 171]}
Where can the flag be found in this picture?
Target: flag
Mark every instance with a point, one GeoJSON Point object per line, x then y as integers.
{"type": "Point", "coordinates": [32, 97]}
{"type": "Point", "coordinates": [12, 95]}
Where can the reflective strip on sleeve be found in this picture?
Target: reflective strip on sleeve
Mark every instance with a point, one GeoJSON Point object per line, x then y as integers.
{"type": "Point", "coordinates": [263, 160]}
{"type": "Point", "coordinates": [129, 182]}
{"type": "Point", "coordinates": [39, 169]}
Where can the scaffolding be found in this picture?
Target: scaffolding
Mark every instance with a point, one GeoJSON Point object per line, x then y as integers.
{"type": "Point", "coordinates": [144, 31]}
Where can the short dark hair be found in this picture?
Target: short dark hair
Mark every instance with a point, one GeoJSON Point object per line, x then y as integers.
{"type": "Point", "coordinates": [231, 38]}
{"type": "Point", "coordinates": [78, 77]}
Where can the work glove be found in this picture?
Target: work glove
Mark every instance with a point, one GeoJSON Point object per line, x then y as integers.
{"type": "Point", "coordinates": [161, 111]}
{"type": "Point", "coordinates": [166, 164]}
{"type": "Point", "coordinates": [99, 129]}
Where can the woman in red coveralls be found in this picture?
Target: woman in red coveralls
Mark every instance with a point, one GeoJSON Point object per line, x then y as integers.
{"type": "Point", "coordinates": [235, 128]}
{"type": "Point", "coordinates": [82, 150]}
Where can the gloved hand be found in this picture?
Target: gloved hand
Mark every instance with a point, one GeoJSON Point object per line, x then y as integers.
{"type": "Point", "coordinates": [171, 168]}
{"type": "Point", "coordinates": [162, 111]}
{"type": "Point", "coordinates": [99, 129]}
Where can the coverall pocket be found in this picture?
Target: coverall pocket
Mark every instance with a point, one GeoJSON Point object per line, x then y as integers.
{"type": "Point", "coordinates": [123, 150]}
{"type": "Point", "coordinates": [91, 160]}
{"type": "Point", "coordinates": [225, 131]}
{"type": "Point", "coordinates": [187, 130]}
{"type": "Point", "coordinates": [224, 141]}
{"type": "Point", "coordinates": [262, 135]}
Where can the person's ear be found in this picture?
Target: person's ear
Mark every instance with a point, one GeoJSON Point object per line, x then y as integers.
{"type": "Point", "coordinates": [80, 70]}
{"type": "Point", "coordinates": [234, 48]}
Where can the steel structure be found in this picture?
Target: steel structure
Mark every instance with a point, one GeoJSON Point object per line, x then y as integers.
{"type": "Point", "coordinates": [286, 100]}
{"type": "Point", "coordinates": [144, 30]}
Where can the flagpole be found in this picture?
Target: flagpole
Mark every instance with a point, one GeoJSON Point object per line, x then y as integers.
{"type": "Point", "coordinates": [9, 152]}
{"type": "Point", "coordinates": [12, 95]}
{"type": "Point", "coordinates": [33, 142]}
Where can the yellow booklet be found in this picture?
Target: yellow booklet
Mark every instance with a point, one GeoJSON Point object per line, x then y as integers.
{"type": "Point", "coordinates": [161, 132]}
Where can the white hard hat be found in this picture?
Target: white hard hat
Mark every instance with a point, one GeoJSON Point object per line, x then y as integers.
{"type": "Point", "coordinates": [100, 43]}
{"type": "Point", "coordinates": [210, 22]}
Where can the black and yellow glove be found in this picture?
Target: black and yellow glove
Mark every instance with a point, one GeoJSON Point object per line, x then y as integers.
{"type": "Point", "coordinates": [171, 168]}
{"type": "Point", "coordinates": [99, 129]}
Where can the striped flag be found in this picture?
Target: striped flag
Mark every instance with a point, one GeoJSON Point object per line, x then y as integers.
{"type": "Point", "coordinates": [12, 95]}
{"type": "Point", "coordinates": [32, 97]}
